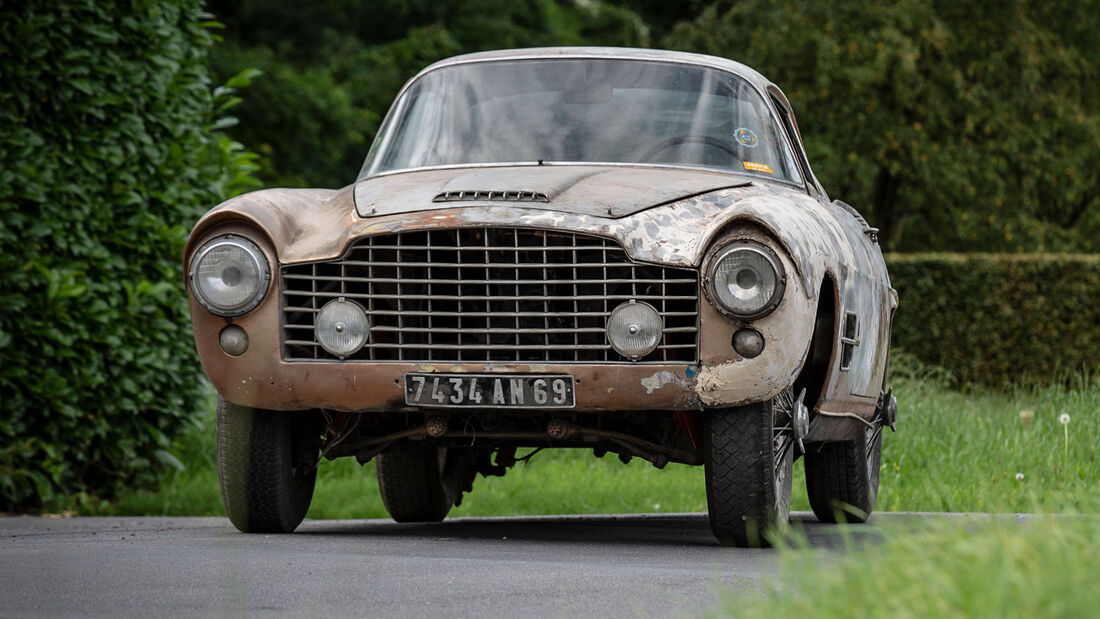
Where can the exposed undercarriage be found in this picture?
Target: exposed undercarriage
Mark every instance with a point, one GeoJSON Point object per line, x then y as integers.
{"type": "Point", "coordinates": [658, 437]}
{"type": "Point", "coordinates": [487, 442]}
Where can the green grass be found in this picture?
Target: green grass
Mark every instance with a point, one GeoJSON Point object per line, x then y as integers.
{"type": "Point", "coordinates": [994, 568]}
{"type": "Point", "coordinates": [953, 451]}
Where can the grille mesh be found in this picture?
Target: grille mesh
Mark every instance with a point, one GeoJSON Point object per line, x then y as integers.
{"type": "Point", "coordinates": [482, 295]}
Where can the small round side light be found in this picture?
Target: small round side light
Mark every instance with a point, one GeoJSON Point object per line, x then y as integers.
{"type": "Point", "coordinates": [234, 340]}
{"type": "Point", "coordinates": [748, 343]}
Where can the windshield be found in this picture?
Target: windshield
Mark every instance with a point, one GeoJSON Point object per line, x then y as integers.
{"type": "Point", "coordinates": [582, 111]}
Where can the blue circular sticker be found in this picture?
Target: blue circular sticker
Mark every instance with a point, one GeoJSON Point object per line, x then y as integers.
{"type": "Point", "coordinates": [746, 137]}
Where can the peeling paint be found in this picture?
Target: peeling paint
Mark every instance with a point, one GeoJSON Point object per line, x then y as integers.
{"type": "Point", "coordinates": [662, 378]}
{"type": "Point", "coordinates": [603, 190]}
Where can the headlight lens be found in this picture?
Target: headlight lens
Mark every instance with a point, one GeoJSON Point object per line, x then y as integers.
{"type": "Point", "coordinates": [746, 280]}
{"type": "Point", "coordinates": [229, 275]}
{"type": "Point", "coordinates": [342, 327]}
{"type": "Point", "coordinates": [634, 329]}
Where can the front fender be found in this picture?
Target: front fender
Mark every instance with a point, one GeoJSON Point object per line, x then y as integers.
{"type": "Point", "coordinates": [726, 378]}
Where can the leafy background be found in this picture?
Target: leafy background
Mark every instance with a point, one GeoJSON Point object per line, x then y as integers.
{"type": "Point", "coordinates": [112, 146]}
{"type": "Point", "coordinates": [955, 127]}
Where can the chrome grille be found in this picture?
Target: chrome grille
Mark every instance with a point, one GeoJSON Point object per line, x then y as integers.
{"type": "Point", "coordinates": [488, 295]}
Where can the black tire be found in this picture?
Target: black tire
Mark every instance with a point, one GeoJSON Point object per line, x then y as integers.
{"type": "Point", "coordinates": [748, 455]}
{"type": "Point", "coordinates": [412, 485]}
{"type": "Point", "coordinates": [267, 467]}
{"type": "Point", "coordinates": [842, 478]}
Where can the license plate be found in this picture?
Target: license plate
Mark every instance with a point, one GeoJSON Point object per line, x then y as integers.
{"type": "Point", "coordinates": [489, 391]}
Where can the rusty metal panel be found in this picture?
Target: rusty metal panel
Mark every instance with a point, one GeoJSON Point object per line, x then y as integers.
{"type": "Point", "coordinates": [602, 191]}
{"type": "Point", "coordinates": [814, 237]}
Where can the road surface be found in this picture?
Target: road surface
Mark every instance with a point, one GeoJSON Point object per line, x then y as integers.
{"type": "Point", "coordinates": [550, 566]}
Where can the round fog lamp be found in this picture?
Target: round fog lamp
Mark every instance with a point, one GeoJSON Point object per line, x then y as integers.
{"type": "Point", "coordinates": [342, 327]}
{"type": "Point", "coordinates": [634, 329]}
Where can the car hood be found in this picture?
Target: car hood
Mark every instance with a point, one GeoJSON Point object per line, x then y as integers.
{"type": "Point", "coordinates": [601, 191]}
{"type": "Point", "coordinates": [318, 224]}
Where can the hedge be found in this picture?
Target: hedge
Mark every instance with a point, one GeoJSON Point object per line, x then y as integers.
{"type": "Point", "coordinates": [110, 149]}
{"type": "Point", "coordinates": [999, 319]}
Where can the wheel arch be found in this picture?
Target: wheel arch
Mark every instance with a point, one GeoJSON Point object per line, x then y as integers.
{"type": "Point", "coordinates": [817, 367]}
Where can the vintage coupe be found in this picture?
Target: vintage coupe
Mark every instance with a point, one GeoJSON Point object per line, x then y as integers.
{"type": "Point", "coordinates": [619, 250]}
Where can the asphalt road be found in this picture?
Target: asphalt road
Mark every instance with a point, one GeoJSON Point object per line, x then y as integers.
{"type": "Point", "coordinates": [606, 566]}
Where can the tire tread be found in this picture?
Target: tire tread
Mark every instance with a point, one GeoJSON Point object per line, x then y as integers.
{"type": "Point", "coordinates": [255, 459]}
{"type": "Point", "coordinates": [741, 493]}
{"type": "Point", "coordinates": [838, 484]}
{"type": "Point", "coordinates": [410, 485]}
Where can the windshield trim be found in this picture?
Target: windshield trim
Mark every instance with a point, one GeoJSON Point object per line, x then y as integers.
{"type": "Point", "coordinates": [596, 164]}
{"type": "Point", "coordinates": [761, 92]}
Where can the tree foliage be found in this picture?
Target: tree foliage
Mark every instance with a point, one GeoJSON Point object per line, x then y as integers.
{"type": "Point", "coordinates": [953, 125]}
{"type": "Point", "coordinates": [109, 151]}
{"type": "Point", "coordinates": [332, 67]}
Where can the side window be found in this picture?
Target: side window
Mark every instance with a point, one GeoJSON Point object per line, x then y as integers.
{"type": "Point", "coordinates": [796, 141]}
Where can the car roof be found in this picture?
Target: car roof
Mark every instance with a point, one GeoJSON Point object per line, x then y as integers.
{"type": "Point", "coordinates": [622, 53]}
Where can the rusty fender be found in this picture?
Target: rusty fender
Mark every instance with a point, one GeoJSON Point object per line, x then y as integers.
{"type": "Point", "coordinates": [727, 379]}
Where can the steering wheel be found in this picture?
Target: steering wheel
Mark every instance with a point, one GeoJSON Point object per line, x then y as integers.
{"type": "Point", "coordinates": [688, 139]}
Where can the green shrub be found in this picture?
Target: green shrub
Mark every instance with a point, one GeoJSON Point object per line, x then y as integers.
{"type": "Point", "coordinates": [110, 149]}
{"type": "Point", "coordinates": [997, 319]}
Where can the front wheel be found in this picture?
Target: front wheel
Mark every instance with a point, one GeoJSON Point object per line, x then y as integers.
{"type": "Point", "coordinates": [748, 456]}
{"type": "Point", "coordinates": [267, 467]}
{"type": "Point", "coordinates": [842, 478]}
{"type": "Point", "coordinates": [412, 483]}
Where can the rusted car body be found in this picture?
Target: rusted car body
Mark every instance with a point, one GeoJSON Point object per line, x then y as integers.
{"type": "Point", "coordinates": [514, 268]}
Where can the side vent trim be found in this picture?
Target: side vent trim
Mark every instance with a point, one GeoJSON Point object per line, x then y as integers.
{"type": "Point", "coordinates": [849, 339]}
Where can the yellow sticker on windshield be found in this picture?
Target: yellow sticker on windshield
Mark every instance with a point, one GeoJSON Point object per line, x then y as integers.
{"type": "Point", "coordinates": [757, 167]}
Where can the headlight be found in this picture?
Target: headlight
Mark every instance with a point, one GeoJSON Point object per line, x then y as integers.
{"type": "Point", "coordinates": [745, 280]}
{"type": "Point", "coordinates": [229, 275]}
{"type": "Point", "coordinates": [634, 329]}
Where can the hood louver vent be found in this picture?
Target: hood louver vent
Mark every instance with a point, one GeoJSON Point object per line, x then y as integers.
{"type": "Point", "coordinates": [494, 195]}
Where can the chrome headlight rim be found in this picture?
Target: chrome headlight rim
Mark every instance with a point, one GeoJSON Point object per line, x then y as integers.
{"type": "Point", "coordinates": [258, 257]}
{"type": "Point", "coordinates": [364, 328]}
{"type": "Point", "coordinates": [648, 349]}
{"type": "Point", "coordinates": [763, 250]}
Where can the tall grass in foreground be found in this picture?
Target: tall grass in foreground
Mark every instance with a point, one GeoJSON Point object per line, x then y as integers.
{"type": "Point", "coordinates": [1047, 567]}
{"type": "Point", "coordinates": [953, 451]}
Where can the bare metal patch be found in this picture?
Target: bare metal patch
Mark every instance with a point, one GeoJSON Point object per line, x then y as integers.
{"type": "Point", "coordinates": [662, 378]}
